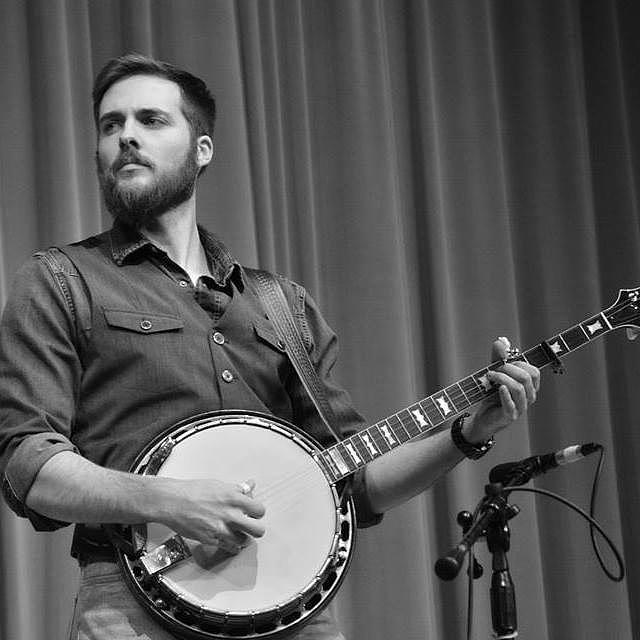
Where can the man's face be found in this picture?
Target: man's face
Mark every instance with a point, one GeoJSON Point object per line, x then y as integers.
{"type": "Point", "coordinates": [146, 155]}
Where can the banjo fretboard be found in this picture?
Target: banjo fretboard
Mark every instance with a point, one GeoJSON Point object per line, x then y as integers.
{"type": "Point", "coordinates": [354, 452]}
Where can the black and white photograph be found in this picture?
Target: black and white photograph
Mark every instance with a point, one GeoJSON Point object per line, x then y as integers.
{"type": "Point", "coordinates": [320, 319]}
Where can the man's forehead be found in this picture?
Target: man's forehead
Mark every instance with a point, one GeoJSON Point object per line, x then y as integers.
{"type": "Point", "coordinates": [142, 92]}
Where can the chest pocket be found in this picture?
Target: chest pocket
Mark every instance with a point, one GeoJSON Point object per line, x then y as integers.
{"type": "Point", "coordinates": [266, 334]}
{"type": "Point", "coordinates": [142, 322]}
{"type": "Point", "coordinates": [146, 349]}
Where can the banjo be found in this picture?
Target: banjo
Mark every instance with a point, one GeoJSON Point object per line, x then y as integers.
{"type": "Point", "coordinates": [278, 583]}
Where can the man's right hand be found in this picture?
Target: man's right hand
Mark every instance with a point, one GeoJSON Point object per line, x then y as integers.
{"type": "Point", "coordinates": [70, 488]}
{"type": "Point", "coordinates": [215, 513]}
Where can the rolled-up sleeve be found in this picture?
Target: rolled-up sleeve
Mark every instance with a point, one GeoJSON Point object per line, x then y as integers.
{"type": "Point", "coordinates": [322, 344]}
{"type": "Point", "coordinates": [39, 377]}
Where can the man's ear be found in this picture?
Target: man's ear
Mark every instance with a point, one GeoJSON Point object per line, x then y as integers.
{"type": "Point", "coordinates": [204, 151]}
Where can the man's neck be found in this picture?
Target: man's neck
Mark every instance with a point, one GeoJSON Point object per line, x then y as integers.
{"type": "Point", "coordinates": [176, 232]}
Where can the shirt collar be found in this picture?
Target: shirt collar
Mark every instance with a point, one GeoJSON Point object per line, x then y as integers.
{"type": "Point", "coordinates": [127, 241]}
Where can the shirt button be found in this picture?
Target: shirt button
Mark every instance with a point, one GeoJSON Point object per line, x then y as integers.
{"type": "Point", "coordinates": [227, 376]}
{"type": "Point", "coordinates": [145, 325]}
{"type": "Point", "coordinates": [183, 283]}
{"type": "Point", "coordinates": [218, 338]}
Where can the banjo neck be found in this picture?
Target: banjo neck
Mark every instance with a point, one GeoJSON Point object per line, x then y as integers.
{"type": "Point", "coordinates": [429, 414]}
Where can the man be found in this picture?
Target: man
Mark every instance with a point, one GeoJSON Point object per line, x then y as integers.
{"type": "Point", "coordinates": [130, 331]}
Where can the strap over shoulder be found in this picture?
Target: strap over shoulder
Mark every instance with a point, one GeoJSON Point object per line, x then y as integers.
{"type": "Point", "coordinates": [269, 291]}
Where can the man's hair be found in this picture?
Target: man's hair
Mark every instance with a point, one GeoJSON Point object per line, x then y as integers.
{"type": "Point", "coordinates": [199, 106]}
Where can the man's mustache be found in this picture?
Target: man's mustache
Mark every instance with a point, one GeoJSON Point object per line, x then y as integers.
{"type": "Point", "coordinates": [129, 157]}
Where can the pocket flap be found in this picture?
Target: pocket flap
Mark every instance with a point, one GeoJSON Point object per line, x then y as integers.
{"type": "Point", "coordinates": [141, 322]}
{"type": "Point", "coordinates": [266, 332]}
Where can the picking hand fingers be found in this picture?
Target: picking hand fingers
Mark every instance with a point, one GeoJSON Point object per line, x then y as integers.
{"type": "Point", "coordinates": [250, 506]}
{"type": "Point", "coordinates": [229, 538]}
{"type": "Point", "coordinates": [231, 543]}
{"type": "Point", "coordinates": [245, 524]}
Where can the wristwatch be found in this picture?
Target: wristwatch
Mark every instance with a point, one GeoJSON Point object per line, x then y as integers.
{"type": "Point", "coordinates": [471, 450]}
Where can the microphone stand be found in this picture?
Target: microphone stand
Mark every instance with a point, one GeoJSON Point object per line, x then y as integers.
{"type": "Point", "coordinates": [492, 522]}
{"type": "Point", "coordinates": [502, 591]}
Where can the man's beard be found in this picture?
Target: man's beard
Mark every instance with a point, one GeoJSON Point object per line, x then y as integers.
{"type": "Point", "coordinates": [141, 206]}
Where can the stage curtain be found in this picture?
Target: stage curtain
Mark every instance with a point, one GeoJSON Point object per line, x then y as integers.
{"type": "Point", "coordinates": [437, 173]}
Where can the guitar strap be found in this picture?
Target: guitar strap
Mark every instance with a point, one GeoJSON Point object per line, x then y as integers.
{"type": "Point", "coordinates": [269, 292]}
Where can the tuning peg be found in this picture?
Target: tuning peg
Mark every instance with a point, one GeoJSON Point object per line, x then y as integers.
{"type": "Point", "coordinates": [632, 334]}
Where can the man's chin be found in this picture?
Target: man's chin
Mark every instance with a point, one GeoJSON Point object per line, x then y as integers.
{"type": "Point", "coordinates": [132, 182]}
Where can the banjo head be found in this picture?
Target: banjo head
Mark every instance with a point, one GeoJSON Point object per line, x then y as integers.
{"type": "Point", "coordinates": [279, 581]}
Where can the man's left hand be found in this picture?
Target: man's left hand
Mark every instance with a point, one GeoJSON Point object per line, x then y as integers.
{"type": "Point", "coordinates": [517, 382]}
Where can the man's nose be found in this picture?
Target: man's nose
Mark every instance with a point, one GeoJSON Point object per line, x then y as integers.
{"type": "Point", "coordinates": [128, 141]}
{"type": "Point", "coordinates": [128, 136]}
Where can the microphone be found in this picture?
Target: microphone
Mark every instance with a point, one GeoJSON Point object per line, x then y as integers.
{"type": "Point", "coordinates": [520, 472]}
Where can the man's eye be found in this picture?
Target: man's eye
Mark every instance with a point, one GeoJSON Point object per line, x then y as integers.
{"type": "Point", "coordinates": [152, 120]}
{"type": "Point", "coordinates": [109, 127]}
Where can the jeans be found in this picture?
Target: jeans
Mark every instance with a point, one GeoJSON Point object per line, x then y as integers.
{"type": "Point", "coordinates": [106, 610]}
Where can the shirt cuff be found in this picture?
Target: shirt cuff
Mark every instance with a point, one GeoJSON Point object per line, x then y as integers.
{"type": "Point", "coordinates": [365, 515]}
{"type": "Point", "coordinates": [22, 469]}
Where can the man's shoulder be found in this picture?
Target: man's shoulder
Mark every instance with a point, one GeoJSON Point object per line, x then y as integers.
{"type": "Point", "coordinates": [289, 286]}
{"type": "Point", "coordinates": [59, 258]}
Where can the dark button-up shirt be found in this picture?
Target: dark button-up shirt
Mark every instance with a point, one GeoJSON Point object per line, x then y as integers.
{"type": "Point", "coordinates": [104, 357]}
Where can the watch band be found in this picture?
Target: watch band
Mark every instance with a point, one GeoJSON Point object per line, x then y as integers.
{"type": "Point", "coordinates": [471, 450]}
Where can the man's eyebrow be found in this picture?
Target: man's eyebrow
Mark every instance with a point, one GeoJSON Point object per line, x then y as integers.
{"type": "Point", "coordinates": [140, 113]}
{"type": "Point", "coordinates": [152, 111]}
{"type": "Point", "coordinates": [110, 115]}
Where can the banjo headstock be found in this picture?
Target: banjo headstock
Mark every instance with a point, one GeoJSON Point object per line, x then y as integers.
{"type": "Point", "coordinates": [625, 311]}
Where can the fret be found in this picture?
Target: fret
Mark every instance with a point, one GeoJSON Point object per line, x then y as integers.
{"type": "Point", "coordinates": [346, 456]}
{"type": "Point", "coordinates": [460, 399]}
{"type": "Point", "coordinates": [430, 412]}
{"type": "Point", "coordinates": [537, 357]}
{"type": "Point", "coordinates": [379, 440]}
{"type": "Point", "coordinates": [594, 326]}
{"type": "Point", "coordinates": [433, 399]}
{"type": "Point", "coordinates": [483, 382]}
{"type": "Point", "coordinates": [388, 434]}
{"type": "Point", "coordinates": [361, 448]}
{"type": "Point", "coordinates": [429, 407]}
{"type": "Point", "coordinates": [330, 465]}
{"type": "Point", "coordinates": [337, 458]}
{"type": "Point", "coordinates": [558, 346]}
{"type": "Point", "coordinates": [398, 427]}
{"type": "Point", "coordinates": [471, 389]}
{"type": "Point", "coordinates": [322, 463]}
{"type": "Point", "coordinates": [444, 404]}
{"type": "Point", "coordinates": [419, 420]}
{"type": "Point", "coordinates": [575, 337]}
{"type": "Point", "coordinates": [353, 452]}
{"type": "Point", "coordinates": [606, 320]}
{"type": "Point", "coordinates": [369, 443]}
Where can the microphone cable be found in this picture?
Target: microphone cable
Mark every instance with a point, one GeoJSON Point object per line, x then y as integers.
{"type": "Point", "coordinates": [589, 517]}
